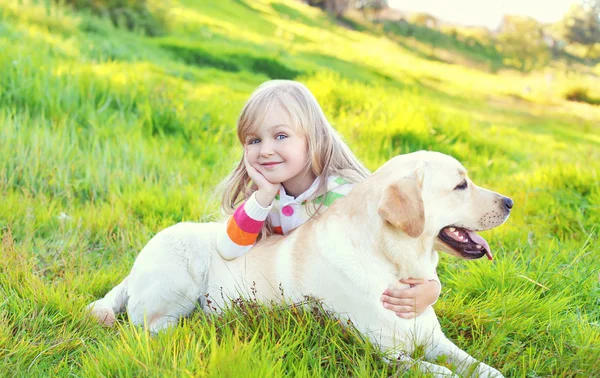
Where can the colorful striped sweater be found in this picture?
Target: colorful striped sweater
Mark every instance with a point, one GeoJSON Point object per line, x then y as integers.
{"type": "Point", "coordinates": [285, 214]}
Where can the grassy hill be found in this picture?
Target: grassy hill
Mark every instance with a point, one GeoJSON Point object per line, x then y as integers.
{"type": "Point", "coordinates": [109, 135]}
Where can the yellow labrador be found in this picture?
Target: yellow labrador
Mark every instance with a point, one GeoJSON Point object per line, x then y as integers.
{"type": "Point", "coordinates": [384, 230]}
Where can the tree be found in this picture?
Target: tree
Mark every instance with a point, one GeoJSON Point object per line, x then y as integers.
{"type": "Point", "coordinates": [339, 7]}
{"type": "Point", "coordinates": [335, 7]}
{"type": "Point", "coordinates": [594, 6]}
{"type": "Point", "coordinates": [522, 43]}
{"type": "Point", "coordinates": [582, 24]}
{"type": "Point", "coordinates": [370, 7]}
{"type": "Point", "coordinates": [424, 19]}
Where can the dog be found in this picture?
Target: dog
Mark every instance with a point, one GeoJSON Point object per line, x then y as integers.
{"type": "Point", "coordinates": [388, 227]}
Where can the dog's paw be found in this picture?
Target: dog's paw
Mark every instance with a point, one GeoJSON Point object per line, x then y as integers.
{"type": "Point", "coordinates": [105, 316]}
{"type": "Point", "coordinates": [486, 371]}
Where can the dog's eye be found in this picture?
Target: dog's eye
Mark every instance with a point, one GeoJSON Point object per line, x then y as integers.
{"type": "Point", "coordinates": [462, 186]}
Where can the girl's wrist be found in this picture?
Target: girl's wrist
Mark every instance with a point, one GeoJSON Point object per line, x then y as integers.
{"type": "Point", "coordinates": [435, 295]}
{"type": "Point", "coordinates": [436, 282]}
{"type": "Point", "coordinates": [438, 285]}
{"type": "Point", "coordinates": [264, 198]}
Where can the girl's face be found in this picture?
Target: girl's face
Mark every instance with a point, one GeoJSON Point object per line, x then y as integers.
{"type": "Point", "coordinates": [280, 153]}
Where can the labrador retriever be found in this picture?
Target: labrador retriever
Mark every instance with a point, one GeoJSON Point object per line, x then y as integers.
{"type": "Point", "coordinates": [387, 228]}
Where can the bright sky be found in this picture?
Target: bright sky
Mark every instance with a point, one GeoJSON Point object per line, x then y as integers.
{"type": "Point", "coordinates": [486, 12]}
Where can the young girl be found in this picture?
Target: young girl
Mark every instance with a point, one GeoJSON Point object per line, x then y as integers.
{"type": "Point", "coordinates": [298, 165]}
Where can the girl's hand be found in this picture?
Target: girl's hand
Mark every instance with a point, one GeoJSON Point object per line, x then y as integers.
{"type": "Point", "coordinates": [411, 302]}
{"type": "Point", "coordinates": [266, 190]}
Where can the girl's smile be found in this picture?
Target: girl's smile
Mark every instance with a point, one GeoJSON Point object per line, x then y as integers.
{"type": "Point", "coordinates": [270, 165]}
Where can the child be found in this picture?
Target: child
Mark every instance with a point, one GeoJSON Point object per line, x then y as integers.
{"type": "Point", "coordinates": [298, 165]}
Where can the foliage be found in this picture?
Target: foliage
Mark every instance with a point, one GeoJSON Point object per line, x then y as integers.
{"type": "Point", "coordinates": [423, 19]}
{"type": "Point", "coordinates": [339, 7]}
{"type": "Point", "coordinates": [521, 41]}
{"type": "Point", "coordinates": [474, 45]}
{"type": "Point", "coordinates": [581, 94]}
{"type": "Point", "coordinates": [109, 136]}
{"type": "Point", "coordinates": [582, 26]}
{"type": "Point", "coordinates": [232, 62]}
{"type": "Point", "coordinates": [133, 14]}
{"type": "Point", "coordinates": [370, 7]}
{"type": "Point", "coordinates": [334, 7]}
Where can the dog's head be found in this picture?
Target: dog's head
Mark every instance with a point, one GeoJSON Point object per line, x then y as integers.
{"type": "Point", "coordinates": [428, 194]}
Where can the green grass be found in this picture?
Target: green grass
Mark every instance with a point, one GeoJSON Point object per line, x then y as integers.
{"type": "Point", "coordinates": [108, 136]}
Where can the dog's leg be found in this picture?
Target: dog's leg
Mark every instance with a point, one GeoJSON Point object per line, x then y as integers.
{"type": "Point", "coordinates": [169, 276]}
{"type": "Point", "coordinates": [157, 300]}
{"type": "Point", "coordinates": [163, 321]}
{"type": "Point", "coordinates": [105, 309]}
{"type": "Point", "coordinates": [400, 339]}
{"type": "Point", "coordinates": [465, 364]}
{"type": "Point", "coordinates": [425, 367]}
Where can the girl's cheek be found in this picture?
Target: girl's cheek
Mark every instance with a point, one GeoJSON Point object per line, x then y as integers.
{"type": "Point", "coordinates": [251, 148]}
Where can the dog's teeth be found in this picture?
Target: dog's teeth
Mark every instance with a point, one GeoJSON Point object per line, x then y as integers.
{"type": "Point", "coordinates": [479, 246]}
{"type": "Point", "coordinates": [452, 229]}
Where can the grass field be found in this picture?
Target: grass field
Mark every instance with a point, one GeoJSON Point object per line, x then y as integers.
{"type": "Point", "coordinates": [108, 136]}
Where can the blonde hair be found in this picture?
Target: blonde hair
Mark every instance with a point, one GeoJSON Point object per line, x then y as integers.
{"type": "Point", "coordinates": [328, 154]}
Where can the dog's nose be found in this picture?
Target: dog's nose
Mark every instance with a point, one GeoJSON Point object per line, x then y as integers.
{"type": "Point", "coordinates": [508, 203]}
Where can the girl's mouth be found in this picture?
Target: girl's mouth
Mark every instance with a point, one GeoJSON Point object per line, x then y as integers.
{"type": "Point", "coordinates": [270, 165]}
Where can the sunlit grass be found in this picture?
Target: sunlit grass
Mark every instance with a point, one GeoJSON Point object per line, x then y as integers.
{"type": "Point", "coordinates": [109, 136]}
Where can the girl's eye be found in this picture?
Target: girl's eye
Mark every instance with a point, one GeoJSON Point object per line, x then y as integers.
{"type": "Point", "coordinates": [253, 141]}
{"type": "Point", "coordinates": [462, 186]}
{"type": "Point", "coordinates": [280, 136]}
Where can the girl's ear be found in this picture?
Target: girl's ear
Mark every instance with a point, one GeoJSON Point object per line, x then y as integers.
{"type": "Point", "coordinates": [402, 205]}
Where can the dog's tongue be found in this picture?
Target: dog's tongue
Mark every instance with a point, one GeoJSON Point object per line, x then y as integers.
{"type": "Point", "coordinates": [481, 241]}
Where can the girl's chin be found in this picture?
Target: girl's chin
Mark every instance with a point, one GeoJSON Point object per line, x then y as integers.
{"type": "Point", "coordinates": [271, 177]}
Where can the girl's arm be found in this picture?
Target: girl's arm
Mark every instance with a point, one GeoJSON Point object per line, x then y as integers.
{"type": "Point", "coordinates": [241, 230]}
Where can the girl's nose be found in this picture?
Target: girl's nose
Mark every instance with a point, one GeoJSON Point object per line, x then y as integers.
{"type": "Point", "coordinates": [266, 149]}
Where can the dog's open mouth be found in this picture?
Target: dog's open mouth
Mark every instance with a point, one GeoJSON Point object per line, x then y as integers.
{"type": "Point", "coordinates": [466, 242]}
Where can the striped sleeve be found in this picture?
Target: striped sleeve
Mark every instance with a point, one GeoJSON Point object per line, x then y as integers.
{"type": "Point", "coordinates": [241, 229]}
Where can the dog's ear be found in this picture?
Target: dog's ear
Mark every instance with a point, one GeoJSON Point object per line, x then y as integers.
{"type": "Point", "coordinates": [402, 205]}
